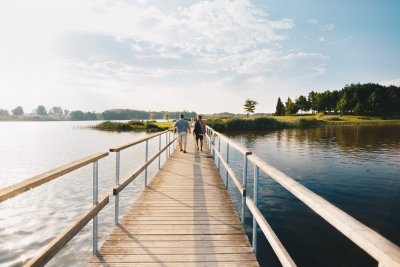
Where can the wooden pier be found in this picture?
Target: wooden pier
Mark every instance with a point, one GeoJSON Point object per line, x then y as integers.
{"type": "Point", "coordinates": [184, 217]}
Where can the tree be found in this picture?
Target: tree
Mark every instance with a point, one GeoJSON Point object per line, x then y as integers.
{"type": "Point", "coordinates": [302, 103]}
{"type": "Point", "coordinates": [280, 108]}
{"type": "Point", "coordinates": [250, 106]}
{"type": "Point", "coordinates": [77, 115]}
{"type": "Point", "coordinates": [41, 110]}
{"type": "Point", "coordinates": [166, 116]}
{"type": "Point", "coordinates": [58, 111]}
{"type": "Point", "coordinates": [18, 111]}
{"type": "Point", "coordinates": [151, 116]}
{"type": "Point", "coordinates": [4, 113]}
{"type": "Point", "coordinates": [290, 107]}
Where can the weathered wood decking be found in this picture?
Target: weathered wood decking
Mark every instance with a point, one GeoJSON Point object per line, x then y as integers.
{"type": "Point", "coordinates": [183, 218]}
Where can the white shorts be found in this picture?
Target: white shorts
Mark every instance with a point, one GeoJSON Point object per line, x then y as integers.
{"type": "Point", "coordinates": [182, 137]}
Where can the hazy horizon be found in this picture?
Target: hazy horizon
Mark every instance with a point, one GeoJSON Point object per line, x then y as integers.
{"type": "Point", "coordinates": [203, 56]}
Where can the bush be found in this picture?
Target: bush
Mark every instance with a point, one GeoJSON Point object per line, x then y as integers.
{"type": "Point", "coordinates": [259, 124]}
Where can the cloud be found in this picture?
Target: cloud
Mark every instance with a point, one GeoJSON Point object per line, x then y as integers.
{"type": "Point", "coordinates": [133, 50]}
{"type": "Point", "coordinates": [322, 27]}
{"type": "Point", "coordinates": [395, 82]}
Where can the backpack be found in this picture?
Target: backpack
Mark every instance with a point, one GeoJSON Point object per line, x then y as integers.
{"type": "Point", "coordinates": [197, 127]}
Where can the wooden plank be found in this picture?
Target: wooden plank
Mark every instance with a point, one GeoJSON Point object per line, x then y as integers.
{"type": "Point", "coordinates": [184, 217]}
{"type": "Point", "coordinates": [160, 258]}
{"type": "Point", "coordinates": [169, 250]}
{"type": "Point", "coordinates": [246, 263]}
{"type": "Point", "coordinates": [14, 190]}
{"type": "Point", "coordinates": [59, 242]}
{"type": "Point", "coordinates": [180, 222]}
{"type": "Point", "coordinates": [175, 244]}
{"type": "Point", "coordinates": [164, 237]}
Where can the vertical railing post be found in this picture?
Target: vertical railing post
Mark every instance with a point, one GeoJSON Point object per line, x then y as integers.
{"type": "Point", "coordinates": [159, 149]}
{"type": "Point", "coordinates": [219, 150]}
{"type": "Point", "coordinates": [166, 142]}
{"type": "Point", "coordinates": [213, 146]}
{"type": "Point", "coordinates": [227, 161]}
{"type": "Point", "coordinates": [169, 140]}
{"type": "Point", "coordinates": [146, 158]}
{"type": "Point", "coordinates": [244, 187]}
{"type": "Point", "coordinates": [117, 168]}
{"type": "Point", "coordinates": [255, 199]}
{"type": "Point", "coordinates": [95, 202]}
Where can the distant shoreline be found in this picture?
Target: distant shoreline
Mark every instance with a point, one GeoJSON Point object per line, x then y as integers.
{"type": "Point", "coordinates": [295, 121]}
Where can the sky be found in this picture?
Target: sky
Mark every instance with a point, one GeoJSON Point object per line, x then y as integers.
{"type": "Point", "coordinates": [203, 56]}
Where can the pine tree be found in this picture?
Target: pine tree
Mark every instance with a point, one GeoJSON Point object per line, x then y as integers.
{"type": "Point", "coordinates": [280, 108]}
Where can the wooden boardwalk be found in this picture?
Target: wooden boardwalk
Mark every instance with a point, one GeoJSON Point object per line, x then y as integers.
{"type": "Point", "coordinates": [183, 218]}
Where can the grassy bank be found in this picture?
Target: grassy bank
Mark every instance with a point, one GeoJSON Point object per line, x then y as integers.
{"type": "Point", "coordinates": [133, 126]}
{"type": "Point", "coordinates": [297, 121]}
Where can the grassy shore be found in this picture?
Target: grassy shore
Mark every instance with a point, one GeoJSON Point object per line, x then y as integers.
{"type": "Point", "coordinates": [133, 126]}
{"type": "Point", "coordinates": [296, 121]}
{"type": "Point", "coordinates": [253, 123]}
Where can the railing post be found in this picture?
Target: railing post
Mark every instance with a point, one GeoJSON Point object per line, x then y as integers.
{"type": "Point", "coordinates": [209, 139]}
{"type": "Point", "coordinates": [166, 142]}
{"type": "Point", "coordinates": [169, 140]}
{"type": "Point", "coordinates": [146, 158]}
{"type": "Point", "coordinates": [213, 146]}
{"type": "Point", "coordinates": [255, 199]}
{"type": "Point", "coordinates": [159, 149]}
{"type": "Point", "coordinates": [117, 168]}
{"type": "Point", "coordinates": [227, 161]}
{"type": "Point", "coordinates": [244, 187]}
{"type": "Point", "coordinates": [219, 150]}
{"type": "Point", "coordinates": [95, 202]}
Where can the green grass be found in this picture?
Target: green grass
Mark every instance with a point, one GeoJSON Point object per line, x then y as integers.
{"type": "Point", "coordinates": [133, 126]}
{"type": "Point", "coordinates": [295, 121]}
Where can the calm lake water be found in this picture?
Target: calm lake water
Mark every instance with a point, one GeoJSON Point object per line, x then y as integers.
{"type": "Point", "coordinates": [356, 168]}
{"type": "Point", "coordinates": [31, 220]}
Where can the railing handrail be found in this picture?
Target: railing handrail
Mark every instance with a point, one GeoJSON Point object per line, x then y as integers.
{"type": "Point", "coordinates": [118, 188]}
{"type": "Point", "coordinates": [60, 241]}
{"type": "Point", "coordinates": [377, 246]}
{"type": "Point", "coordinates": [276, 245]}
{"type": "Point", "coordinates": [231, 174]}
{"type": "Point", "coordinates": [370, 241]}
{"type": "Point", "coordinates": [272, 238]}
{"type": "Point", "coordinates": [242, 149]}
{"type": "Point", "coordinates": [21, 187]}
{"type": "Point", "coordinates": [122, 147]}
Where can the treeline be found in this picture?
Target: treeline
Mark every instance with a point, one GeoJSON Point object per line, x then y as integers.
{"type": "Point", "coordinates": [359, 99]}
{"type": "Point", "coordinates": [57, 113]}
{"type": "Point", "coordinates": [129, 114]}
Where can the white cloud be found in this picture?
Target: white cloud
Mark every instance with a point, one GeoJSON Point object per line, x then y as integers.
{"type": "Point", "coordinates": [72, 51]}
{"type": "Point", "coordinates": [395, 82]}
{"type": "Point", "coordinates": [322, 27]}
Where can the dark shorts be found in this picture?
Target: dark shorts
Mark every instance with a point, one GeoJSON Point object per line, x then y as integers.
{"type": "Point", "coordinates": [199, 136]}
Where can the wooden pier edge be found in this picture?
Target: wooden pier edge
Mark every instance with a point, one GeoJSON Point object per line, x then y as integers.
{"type": "Point", "coordinates": [184, 217]}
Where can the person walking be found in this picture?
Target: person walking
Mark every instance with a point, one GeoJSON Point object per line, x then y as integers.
{"type": "Point", "coordinates": [199, 130]}
{"type": "Point", "coordinates": [183, 128]}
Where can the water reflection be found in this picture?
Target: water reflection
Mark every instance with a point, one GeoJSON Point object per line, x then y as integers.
{"type": "Point", "coordinates": [357, 168]}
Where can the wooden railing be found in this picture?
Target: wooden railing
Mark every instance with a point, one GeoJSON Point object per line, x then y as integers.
{"type": "Point", "coordinates": [377, 246]}
{"type": "Point", "coordinates": [61, 240]}
{"type": "Point", "coordinates": [119, 186]}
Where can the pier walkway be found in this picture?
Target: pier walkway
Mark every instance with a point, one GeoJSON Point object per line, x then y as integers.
{"type": "Point", "coordinates": [184, 217]}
